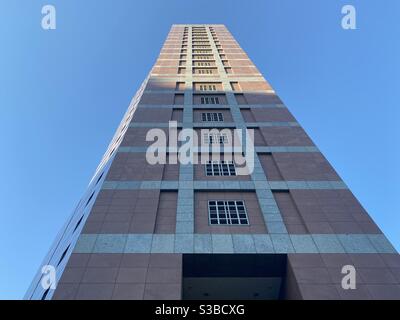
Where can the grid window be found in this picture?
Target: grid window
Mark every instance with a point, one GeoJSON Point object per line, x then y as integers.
{"type": "Point", "coordinates": [208, 87]}
{"type": "Point", "coordinates": [203, 64]}
{"type": "Point", "coordinates": [201, 51]}
{"type": "Point", "coordinates": [227, 213]}
{"type": "Point", "coordinates": [209, 100]}
{"type": "Point", "coordinates": [220, 168]}
{"type": "Point", "coordinates": [215, 138]}
{"type": "Point", "coordinates": [212, 116]}
{"type": "Point", "coordinates": [204, 71]}
{"type": "Point", "coordinates": [202, 57]}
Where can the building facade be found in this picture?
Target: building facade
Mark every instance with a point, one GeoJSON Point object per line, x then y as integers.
{"type": "Point", "coordinates": [289, 229]}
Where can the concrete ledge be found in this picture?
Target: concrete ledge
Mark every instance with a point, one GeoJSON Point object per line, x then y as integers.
{"type": "Point", "coordinates": [233, 243]}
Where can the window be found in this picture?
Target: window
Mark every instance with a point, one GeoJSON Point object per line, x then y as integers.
{"type": "Point", "coordinates": [63, 256]}
{"type": "Point", "coordinates": [209, 87]}
{"type": "Point", "coordinates": [235, 86]}
{"type": "Point", "coordinates": [78, 223]}
{"type": "Point", "coordinates": [203, 71]}
{"type": "Point", "coordinates": [90, 198]}
{"type": "Point", "coordinates": [99, 178]}
{"type": "Point", "coordinates": [202, 57]}
{"type": "Point", "coordinates": [45, 294]}
{"type": "Point", "coordinates": [180, 86]}
{"type": "Point", "coordinates": [209, 100]}
{"type": "Point", "coordinates": [178, 98]}
{"type": "Point", "coordinates": [220, 168]}
{"type": "Point", "coordinates": [177, 114]}
{"type": "Point", "coordinates": [215, 138]}
{"type": "Point", "coordinates": [203, 64]}
{"type": "Point", "coordinates": [227, 212]}
{"type": "Point", "coordinates": [212, 116]}
{"type": "Point", "coordinates": [240, 98]}
{"type": "Point", "coordinates": [201, 51]}
{"type": "Point", "coordinates": [228, 70]}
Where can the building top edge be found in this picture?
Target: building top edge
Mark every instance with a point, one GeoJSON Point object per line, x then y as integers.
{"type": "Point", "coordinates": [198, 25]}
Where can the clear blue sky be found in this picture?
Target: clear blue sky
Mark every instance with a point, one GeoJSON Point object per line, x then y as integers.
{"type": "Point", "coordinates": [63, 93]}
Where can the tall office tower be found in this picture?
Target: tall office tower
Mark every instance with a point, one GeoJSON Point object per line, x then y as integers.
{"type": "Point", "coordinates": [289, 229]}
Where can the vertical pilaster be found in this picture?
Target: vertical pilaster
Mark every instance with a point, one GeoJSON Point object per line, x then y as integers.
{"type": "Point", "coordinates": [185, 206]}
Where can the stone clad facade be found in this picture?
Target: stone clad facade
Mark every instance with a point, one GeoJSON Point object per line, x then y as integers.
{"type": "Point", "coordinates": [142, 229]}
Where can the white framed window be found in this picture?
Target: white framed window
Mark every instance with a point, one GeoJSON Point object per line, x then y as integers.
{"type": "Point", "coordinates": [209, 100]}
{"type": "Point", "coordinates": [210, 87]}
{"type": "Point", "coordinates": [215, 138]}
{"type": "Point", "coordinates": [212, 117]}
{"type": "Point", "coordinates": [202, 57]}
{"type": "Point", "coordinates": [204, 71]}
{"type": "Point", "coordinates": [220, 168]}
{"type": "Point", "coordinates": [221, 212]}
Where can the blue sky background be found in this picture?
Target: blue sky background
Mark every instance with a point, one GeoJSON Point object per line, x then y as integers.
{"type": "Point", "coordinates": [64, 92]}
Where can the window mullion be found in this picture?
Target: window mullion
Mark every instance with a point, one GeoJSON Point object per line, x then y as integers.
{"type": "Point", "coordinates": [237, 212]}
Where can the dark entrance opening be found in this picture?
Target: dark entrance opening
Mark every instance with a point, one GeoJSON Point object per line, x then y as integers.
{"type": "Point", "coordinates": [234, 276]}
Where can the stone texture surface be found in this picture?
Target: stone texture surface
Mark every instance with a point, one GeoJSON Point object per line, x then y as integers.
{"type": "Point", "coordinates": [146, 217]}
